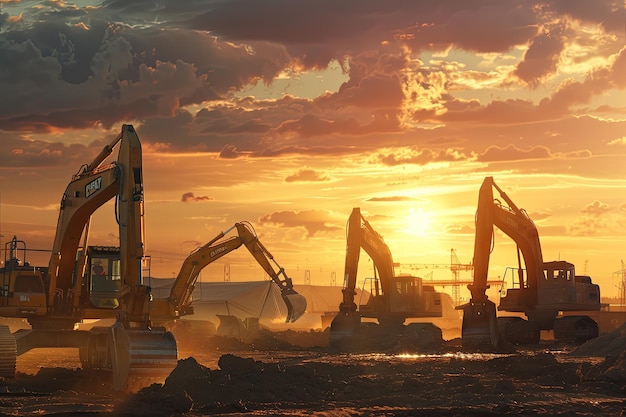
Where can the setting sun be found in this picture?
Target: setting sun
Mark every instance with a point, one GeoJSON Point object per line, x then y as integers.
{"type": "Point", "coordinates": [418, 222]}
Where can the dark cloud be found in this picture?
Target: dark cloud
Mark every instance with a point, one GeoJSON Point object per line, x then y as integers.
{"type": "Point", "coordinates": [313, 221]}
{"type": "Point", "coordinates": [190, 197]}
{"type": "Point", "coordinates": [73, 67]}
{"type": "Point", "coordinates": [541, 58]}
{"type": "Point", "coordinates": [355, 25]}
{"type": "Point", "coordinates": [607, 13]}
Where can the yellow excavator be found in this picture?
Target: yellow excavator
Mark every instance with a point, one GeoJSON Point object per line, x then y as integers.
{"type": "Point", "coordinates": [394, 298]}
{"type": "Point", "coordinates": [179, 302]}
{"type": "Point", "coordinates": [541, 290]}
{"type": "Point", "coordinates": [90, 282]}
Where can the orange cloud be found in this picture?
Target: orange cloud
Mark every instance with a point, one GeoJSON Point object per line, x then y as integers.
{"type": "Point", "coordinates": [313, 221]}
{"type": "Point", "coordinates": [420, 157]}
{"type": "Point", "coordinates": [596, 208]}
{"type": "Point", "coordinates": [307, 175]}
{"type": "Point", "coordinates": [390, 199]}
{"type": "Point", "coordinates": [191, 198]}
{"type": "Point", "coordinates": [594, 218]}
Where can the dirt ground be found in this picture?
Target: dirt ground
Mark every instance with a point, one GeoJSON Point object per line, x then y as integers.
{"type": "Point", "coordinates": [291, 373]}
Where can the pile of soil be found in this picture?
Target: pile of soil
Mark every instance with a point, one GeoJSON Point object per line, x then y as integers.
{"type": "Point", "coordinates": [612, 346]}
{"type": "Point", "coordinates": [508, 385]}
{"type": "Point", "coordinates": [415, 337]}
{"type": "Point", "coordinates": [612, 343]}
{"type": "Point", "coordinates": [273, 374]}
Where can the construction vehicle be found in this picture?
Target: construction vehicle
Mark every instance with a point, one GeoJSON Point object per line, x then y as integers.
{"type": "Point", "coordinates": [394, 299]}
{"type": "Point", "coordinates": [90, 282]}
{"type": "Point", "coordinates": [179, 302]}
{"type": "Point", "coordinates": [542, 290]}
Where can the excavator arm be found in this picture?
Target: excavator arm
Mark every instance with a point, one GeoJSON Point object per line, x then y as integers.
{"type": "Point", "coordinates": [360, 234]}
{"type": "Point", "coordinates": [296, 303]}
{"type": "Point", "coordinates": [93, 186]}
{"type": "Point", "coordinates": [479, 326]}
{"type": "Point", "coordinates": [179, 300]}
{"type": "Point", "coordinates": [516, 224]}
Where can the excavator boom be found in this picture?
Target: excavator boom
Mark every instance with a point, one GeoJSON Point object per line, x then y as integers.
{"type": "Point", "coordinates": [179, 301]}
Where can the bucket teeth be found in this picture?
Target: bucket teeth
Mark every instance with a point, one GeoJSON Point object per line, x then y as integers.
{"type": "Point", "coordinates": [296, 306]}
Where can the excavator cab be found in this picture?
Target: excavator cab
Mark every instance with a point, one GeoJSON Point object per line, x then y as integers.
{"type": "Point", "coordinates": [407, 297]}
{"type": "Point", "coordinates": [104, 277]}
{"type": "Point", "coordinates": [406, 294]}
{"type": "Point", "coordinates": [21, 285]}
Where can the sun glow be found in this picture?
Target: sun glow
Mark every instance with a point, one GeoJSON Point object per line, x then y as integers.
{"type": "Point", "coordinates": [418, 221]}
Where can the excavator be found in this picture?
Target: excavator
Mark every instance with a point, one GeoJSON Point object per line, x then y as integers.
{"type": "Point", "coordinates": [394, 298]}
{"type": "Point", "coordinates": [90, 282]}
{"type": "Point", "coordinates": [542, 290]}
{"type": "Point", "coordinates": [179, 301]}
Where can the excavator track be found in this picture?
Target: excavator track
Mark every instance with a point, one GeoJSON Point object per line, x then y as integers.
{"type": "Point", "coordinates": [575, 329]}
{"type": "Point", "coordinates": [8, 352]}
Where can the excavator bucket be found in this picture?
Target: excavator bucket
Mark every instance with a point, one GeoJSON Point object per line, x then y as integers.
{"type": "Point", "coordinates": [296, 305]}
{"type": "Point", "coordinates": [230, 326]}
{"type": "Point", "coordinates": [480, 327]}
{"type": "Point", "coordinates": [344, 326]}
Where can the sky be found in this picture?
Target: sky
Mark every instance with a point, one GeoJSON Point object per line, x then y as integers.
{"type": "Point", "coordinates": [287, 114]}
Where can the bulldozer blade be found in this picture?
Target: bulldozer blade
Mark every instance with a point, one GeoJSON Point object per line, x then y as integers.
{"type": "Point", "coordinates": [480, 328]}
{"type": "Point", "coordinates": [296, 306]}
{"type": "Point", "coordinates": [344, 326]}
{"type": "Point", "coordinates": [230, 326]}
